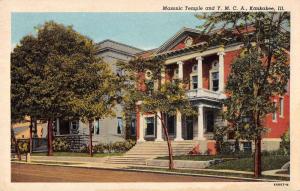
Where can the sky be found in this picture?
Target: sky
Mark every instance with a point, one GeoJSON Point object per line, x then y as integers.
{"type": "Point", "coordinates": [142, 30]}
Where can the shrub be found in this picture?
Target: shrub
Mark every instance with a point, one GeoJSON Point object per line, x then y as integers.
{"type": "Point", "coordinates": [84, 149]}
{"type": "Point", "coordinates": [117, 147]}
{"type": "Point", "coordinates": [285, 143]}
{"type": "Point", "coordinates": [23, 146]}
{"type": "Point", "coordinates": [60, 144]}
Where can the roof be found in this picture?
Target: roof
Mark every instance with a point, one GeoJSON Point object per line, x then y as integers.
{"type": "Point", "coordinates": [177, 35]}
{"type": "Point", "coordinates": [110, 45]}
{"type": "Point", "coordinates": [20, 129]}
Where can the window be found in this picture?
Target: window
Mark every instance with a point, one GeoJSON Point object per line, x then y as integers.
{"type": "Point", "coordinates": [97, 127]}
{"type": "Point", "coordinates": [215, 81]}
{"type": "Point", "coordinates": [133, 125]}
{"type": "Point", "coordinates": [195, 67]}
{"type": "Point", "coordinates": [119, 72]}
{"type": "Point", "coordinates": [247, 147]}
{"type": "Point", "coordinates": [74, 127]}
{"type": "Point", "coordinates": [194, 82]}
{"type": "Point", "coordinates": [149, 125]}
{"type": "Point", "coordinates": [281, 106]}
{"type": "Point", "coordinates": [274, 115]}
{"type": "Point", "coordinates": [120, 125]}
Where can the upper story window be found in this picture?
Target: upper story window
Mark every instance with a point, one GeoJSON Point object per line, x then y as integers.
{"type": "Point", "coordinates": [215, 81]}
{"type": "Point", "coordinates": [214, 76]}
{"type": "Point", "coordinates": [194, 82]}
{"type": "Point", "coordinates": [195, 68]}
{"type": "Point", "coordinates": [274, 115]}
{"type": "Point", "coordinates": [281, 107]}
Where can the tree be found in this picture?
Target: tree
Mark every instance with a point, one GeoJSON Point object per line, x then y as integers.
{"type": "Point", "coordinates": [158, 97]}
{"type": "Point", "coordinates": [97, 95]}
{"type": "Point", "coordinates": [260, 72]}
{"type": "Point", "coordinates": [49, 71]}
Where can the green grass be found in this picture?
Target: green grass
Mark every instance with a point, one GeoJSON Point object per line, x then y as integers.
{"type": "Point", "coordinates": [202, 172]}
{"type": "Point", "coordinates": [74, 154]}
{"type": "Point", "coordinates": [246, 164]}
{"type": "Point", "coordinates": [203, 157]}
{"type": "Point", "coordinates": [243, 162]}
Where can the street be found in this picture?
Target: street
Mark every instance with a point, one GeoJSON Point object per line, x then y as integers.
{"type": "Point", "coordinates": [41, 173]}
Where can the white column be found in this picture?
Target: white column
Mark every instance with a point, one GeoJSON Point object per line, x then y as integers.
{"type": "Point", "coordinates": [163, 75]}
{"type": "Point", "coordinates": [180, 70]}
{"type": "Point", "coordinates": [200, 131]}
{"type": "Point", "coordinates": [57, 126]}
{"type": "Point", "coordinates": [199, 72]}
{"type": "Point", "coordinates": [158, 128]}
{"type": "Point", "coordinates": [141, 129]}
{"type": "Point", "coordinates": [178, 127]}
{"type": "Point", "coordinates": [221, 71]}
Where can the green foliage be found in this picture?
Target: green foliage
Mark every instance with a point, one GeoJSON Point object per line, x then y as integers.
{"type": "Point", "coordinates": [261, 70]}
{"type": "Point", "coordinates": [285, 143]}
{"type": "Point", "coordinates": [23, 146]}
{"type": "Point", "coordinates": [117, 147]}
{"type": "Point", "coordinates": [246, 164]}
{"type": "Point", "coordinates": [56, 73]}
{"type": "Point", "coordinates": [60, 144]}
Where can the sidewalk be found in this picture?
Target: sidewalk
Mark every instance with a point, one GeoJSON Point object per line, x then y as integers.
{"type": "Point", "coordinates": [88, 162]}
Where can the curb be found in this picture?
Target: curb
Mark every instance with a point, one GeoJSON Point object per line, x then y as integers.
{"type": "Point", "coordinates": [151, 171]}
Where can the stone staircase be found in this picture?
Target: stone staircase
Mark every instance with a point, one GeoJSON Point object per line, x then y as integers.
{"type": "Point", "coordinates": [149, 150]}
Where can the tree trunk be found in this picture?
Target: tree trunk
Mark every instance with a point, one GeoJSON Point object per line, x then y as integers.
{"type": "Point", "coordinates": [236, 146]}
{"type": "Point", "coordinates": [13, 137]}
{"type": "Point", "coordinates": [170, 150]}
{"type": "Point", "coordinates": [50, 137]}
{"type": "Point", "coordinates": [257, 157]}
{"type": "Point", "coordinates": [91, 138]}
{"type": "Point", "coordinates": [30, 135]}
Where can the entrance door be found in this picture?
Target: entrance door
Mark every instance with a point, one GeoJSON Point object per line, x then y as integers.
{"type": "Point", "coordinates": [149, 126]}
{"type": "Point", "coordinates": [189, 128]}
{"type": "Point", "coordinates": [209, 121]}
{"type": "Point", "coordinates": [171, 125]}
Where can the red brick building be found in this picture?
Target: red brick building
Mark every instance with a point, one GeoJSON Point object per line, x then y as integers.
{"type": "Point", "coordinates": [204, 72]}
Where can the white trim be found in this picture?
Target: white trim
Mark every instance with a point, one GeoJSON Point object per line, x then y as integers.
{"type": "Point", "coordinates": [213, 50]}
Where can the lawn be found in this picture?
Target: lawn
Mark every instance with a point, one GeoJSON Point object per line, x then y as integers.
{"type": "Point", "coordinates": [202, 172]}
{"type": "Point", "coordinates": [246, 164]}
{"type": "Point", "coordinates": [75, 154]}
{"type": "Point", "coordinates": [204, 157]}
{"type": "Point", "coordinates": [242, 162]}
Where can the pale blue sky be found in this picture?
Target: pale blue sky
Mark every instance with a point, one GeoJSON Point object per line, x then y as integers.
{"type": "Point", "coordinates": [142, 30]}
